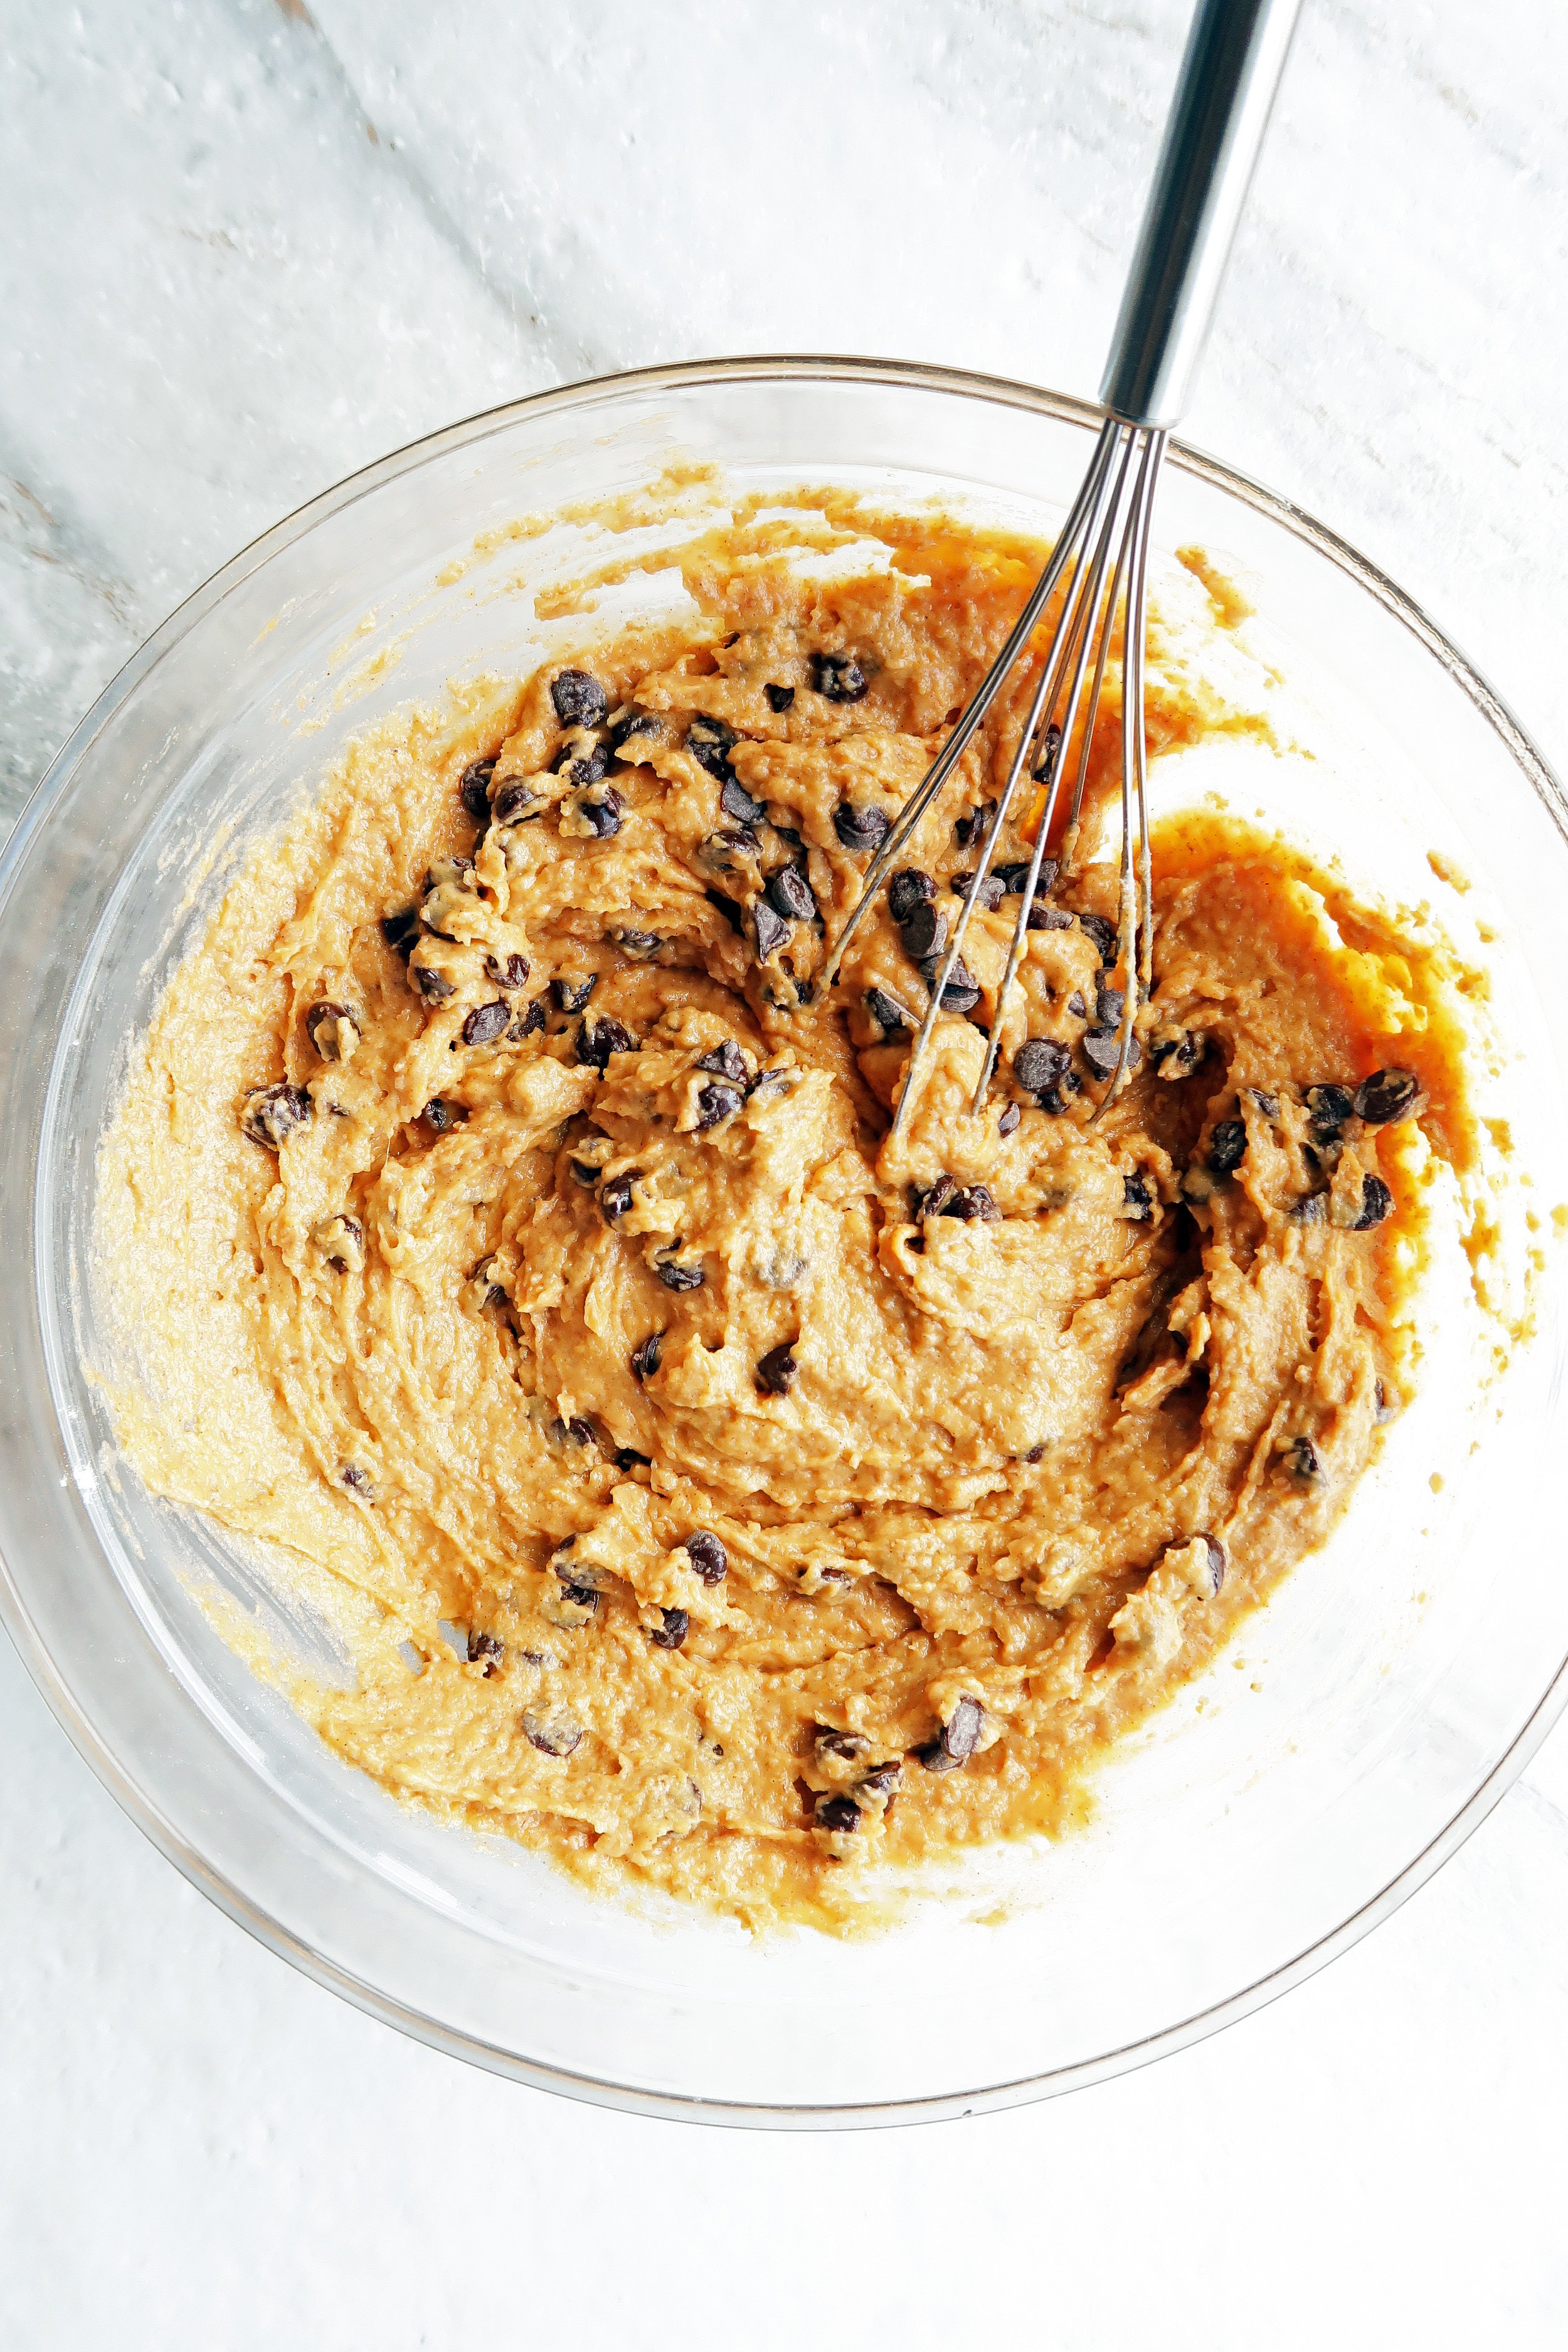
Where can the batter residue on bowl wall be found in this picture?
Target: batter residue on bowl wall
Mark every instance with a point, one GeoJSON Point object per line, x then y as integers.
{"type": "Point", "coordinates": [712, 1492]}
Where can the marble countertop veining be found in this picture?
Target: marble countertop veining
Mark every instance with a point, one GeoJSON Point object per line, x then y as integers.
{"type": "Point", "coordinates": [257, 243]}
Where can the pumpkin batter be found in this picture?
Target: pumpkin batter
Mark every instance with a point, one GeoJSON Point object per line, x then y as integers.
{"type": "Point", "coordinates": [708, 1490]}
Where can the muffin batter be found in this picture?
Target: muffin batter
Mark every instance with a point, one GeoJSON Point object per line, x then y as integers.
{"type": "Point", "coordinates": [707, 1489]}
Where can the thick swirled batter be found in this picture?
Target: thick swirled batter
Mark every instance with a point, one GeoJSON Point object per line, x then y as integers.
{"type": "Point", "coordinates": [710, 1490]}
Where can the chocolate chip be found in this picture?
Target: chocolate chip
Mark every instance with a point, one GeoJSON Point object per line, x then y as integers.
{"type": "Point", "coordinates": [433, 986]}
{"type": "Point", "coordinates": [571, 995]}
{"type": "Point", "coordinates": [401, 930]}
{"type": "Point", "coordinates": [1008, 1122]}
{"type": "Point", "coordinates": [579, 699]}
{"type": "Point", "coordinates": [597, 1040]}
{"type": "Point", "coordinates": [341, 1241]}
{"type": "Point", "coordinates": [1110, 1005]}
{"type": "Point", "coordinates": [1328, 1107]}
{"type": "Point", "coordinates": [716, 1102]}
{"type": "Point", "coordinates": [474, 790]}
{"type": "Point", "coordinates": [440, 1116]}
{"type": "Point", "coordinates": [707, 1555]}
{"type": "Point", "coordinates": [514, 797]}
{"type": "Point", "coordinates": [1048, 919]}
{"type": "Point", "coordinates": [585, 1173]}
{"type": "Point", "coordinates": [1052, 1100]}
{"type": "Point", "coordinates": [1077, 1005]}
{"type": "Point", "coordinates": [967, 830]}
{"type": "Point", "coordinates": [674, 1626]}
{"type": "Point", "coordinates": [1304, 1460]}
{"type": "Point", "coordinates": [923, 931]}
{"type": "Point", "coordinates": [958, 1740]}
{"type": "Point", "coordinates": [933, 1200]}
{"type": "Point", "coordinates": [1376, 1202]}
{"type": "Point", "coordinates": [770, 1082]}
{"type": "Point", "coordinates": [736, 802]}
{"type": "Point", "coordinates": [1102, 931]}
{"type": "Point", "coordinates": [575, 1432]}
{"type": "Point", "coordinates": [838, 678]}
{"type": "Point", "coordinates": [272, 1112]}
{"type": "Point", "coordinates": [581, 768]}
{"type": "Point", "coordinates": [729, 852]}
{"type": "Point", "coordinates": [962, 1734]}
{"type": "Point", "coordinates": [679, 1274]}
{"type": "Point", "coordinates": [507, 972]}
{"type": "Point", "coordinates": [841, 1815]}
{"type": "Point", "coordinates": [1049, 751]}
{"type": "Point", "coordinates": [847, 1746]}
{"type": "Point", "coordinates": [1387, 1096]}
{"type": "Point", "coordinates": [987, 894]}
{"type": "Point", "coordinates": [972, 1200]}
{"type": "Point", "coordinates": [887, 1014]}
{"type": "Point", "coordinates": [553, 1734]}
{"type": "Point", "coordinates": [1102, 1051]}
{"type": "Point", "coordinates": [485, 1649]}
{"type": "Point", "coordinates": [1039, 1063]}
{"type": "Point", "coordinates": [1267, 1102]}
{"type": "Point", "coordinates": [1227, 1147]}
{"type": "Point", "coordinates": [572, 1606]}
{"type": "Point", "coordinates": [1177, 1052]}
{"type": "Point", "coordinates": [641, 945]}
{"type": "Point", "coordinates": [776, 1371]}
{"type": "Point", "coordinates": [601, 813]}
{"type": "Point", "coordinates": [909, 889]}
{"type": "Point", "coordinates": [1138, 1199]}
{"type": "Point", "coordinates": [325, 1023]}
{"type": "Point", "coordinates": [709, 742]}
{"type": "Point", "coordinates": [1015, 878]}
{"type": "Point", "coordinates": [357, 1481]}
{"type": "Point", "coordinates": [961, 993]}
{"type": "Point", "coordinates": [1208, 1579]}
{"type": "Point", "coordinates": [531, 1018]}
{"type": "Point", "coordinates": [636, 722]}
{"type": "Point", "coordinates": [725, 1061]}
{"type": "Point", "coordinates": [860, 830]}
{"type": "Point", "coordinates": [779, 696]}
{"type": "Point", "coordinates": [615, 1195]}
{"type": "Point", "coordinates": [645, 1358]}
{"type": "Point", "coordinates": [486, 1023]}
{"type": "Point", "coordinates": [769, 930]}
{"type": "Point", "coordinates": [1312, 1209]}
{"type": "Point", "coordinates": [791, 894]}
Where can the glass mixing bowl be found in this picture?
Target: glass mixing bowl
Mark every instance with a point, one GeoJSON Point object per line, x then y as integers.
{"type": "Point", "coordinates": [1359, 1728]}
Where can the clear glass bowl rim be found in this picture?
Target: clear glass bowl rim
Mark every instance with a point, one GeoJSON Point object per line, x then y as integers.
{"type": "Point", "coordinates": [119, 1776]}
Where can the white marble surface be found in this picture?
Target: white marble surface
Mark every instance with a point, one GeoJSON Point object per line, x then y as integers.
{"type": "Point", "coordinates": [259, 246]}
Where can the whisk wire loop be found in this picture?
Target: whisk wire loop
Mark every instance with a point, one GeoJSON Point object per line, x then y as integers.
{"type": "Point", "coordinates": [984, 697]}
{"type": "Point", "coordinates": [1098, 615]}
{"type": "Point", "coordinates": [1074, 632]}
{"type": "Point", "coordinates": [1102, 554]}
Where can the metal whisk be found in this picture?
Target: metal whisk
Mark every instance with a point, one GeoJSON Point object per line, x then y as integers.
{"type": "Point", "coordinates": [1235, 54]}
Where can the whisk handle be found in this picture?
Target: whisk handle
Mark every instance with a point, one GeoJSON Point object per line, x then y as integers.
{"type": "Point", "coordinates": [1235, 54]}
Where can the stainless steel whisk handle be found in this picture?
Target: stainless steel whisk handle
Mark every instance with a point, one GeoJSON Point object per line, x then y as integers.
{"type": "Point", "coordinates": [1235, 54]}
